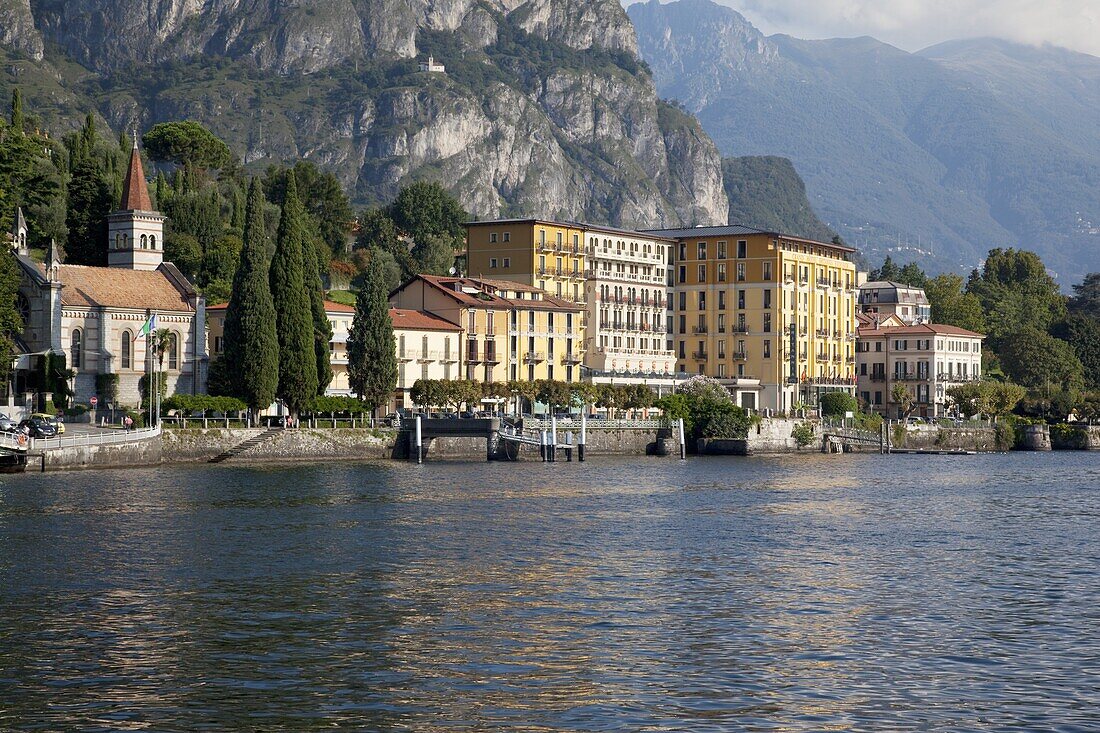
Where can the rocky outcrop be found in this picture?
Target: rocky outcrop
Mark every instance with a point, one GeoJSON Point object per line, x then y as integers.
{"type": "Point", "coordinates": [17, 29]}
{"type": "Point", "coordinates": [544, 110]}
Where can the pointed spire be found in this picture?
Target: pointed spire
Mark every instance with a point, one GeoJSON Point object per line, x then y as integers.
{"type": "Point", "coordinates": [20, 222]}
{"type": "Point", "coordinates": [53, 263]}
{"type": "Point", "coordinates": [135, 192]}
{"type": "Point", "coordinates": [19, 232]}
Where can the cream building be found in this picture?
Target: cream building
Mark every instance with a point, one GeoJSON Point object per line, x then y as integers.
{"type": "Point", "coordinates": [928, 359]}
{"type": "Point", "coordinates": [94, 315]}
{"type": "Point", "coordinates": [884, 298]}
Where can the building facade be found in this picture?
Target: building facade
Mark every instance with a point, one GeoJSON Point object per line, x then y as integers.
{"type": "Point", "coordinates": [881, 299]}
{"type": "Point", "coordinates": [94, 315]}
{"type": "Point", "coordinates": [627, 295]}
{"type": "Point", "coordinates": [510, 331]}
{"type": "Point", "coordinates": [926, 359]}
{"type": "Point", "coordinates": [769, 315]}
{"type": "Point", "coordinates": [544, 254]}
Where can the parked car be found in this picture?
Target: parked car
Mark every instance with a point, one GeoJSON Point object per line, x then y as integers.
{"type": "Point", "coordinates": [36, 427]}
{"type": "Point", "coordinates": [7, 425]}
{"type": "Point", "coordinates": [52, 420]}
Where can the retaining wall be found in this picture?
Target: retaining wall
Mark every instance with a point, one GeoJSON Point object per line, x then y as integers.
{"type": "Point", "coordinates": [289, 445]}
{"type": "Point", "coordinates": [117, 455]}
{"type": "Point", "coordinates": [932, 437]}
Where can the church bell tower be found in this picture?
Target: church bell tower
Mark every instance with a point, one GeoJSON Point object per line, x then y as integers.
{"type": "Point", "coordinates": [135, 231]}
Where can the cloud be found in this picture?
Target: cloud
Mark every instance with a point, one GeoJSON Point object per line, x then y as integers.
{"type": "Point", "coordinates": [915, 24]}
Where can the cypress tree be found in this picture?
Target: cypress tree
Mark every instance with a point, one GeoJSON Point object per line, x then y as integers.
{"type": "Point", "coordinates": [251, 341]}
{"type": "Point", "coordinates": [372, 357]}
{"type": "Point", "coordinates": [90, 201]}
{"type": "Point", "coordinates": [293, 309]}
{"type": "Point", "coordinates": [17, 121]}
{"type": "Point", "coordinates": [322, 328]}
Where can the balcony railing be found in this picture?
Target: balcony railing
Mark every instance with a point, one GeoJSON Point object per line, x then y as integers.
{"type": "Point", "coordinates": [822, 356]}
{"type": "Point", "coordinates": [740, 355]}
{"type": "Point", "coordinates": [571, 359]}
{"type": "Point", "coordinates": [958, 378]}
{"type": "Point", "coordinates": [534, 357]}
{"type": "Point", "coordinates": [741, 328]}
{"type": "Point", "coordinates": [699, 355]}
{"type": "Point", "coordinates": [823, 282]}
{"type": "Point", "coordinates": [699, 329]}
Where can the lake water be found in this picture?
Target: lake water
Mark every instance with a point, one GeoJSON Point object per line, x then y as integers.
{"type": "Point", "coordinates": [794, 594]}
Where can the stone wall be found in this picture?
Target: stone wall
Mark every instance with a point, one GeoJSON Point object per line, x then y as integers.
{"type": "Point", "coordinates": [932, 437]}
{"type": "Point", "coordinates": [776, 435]}
{"type": "Point", "coordinates": [290, 445]}
{"type": "Point", "coordinates": [119, 455]}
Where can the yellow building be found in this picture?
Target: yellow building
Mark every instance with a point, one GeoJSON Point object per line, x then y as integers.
{"type": "Point", "coordinates": [772, 316]}
{"type": "Point", "coordinates": [544, 254]}
{"type": "Point", "coordinates": [511, 331]}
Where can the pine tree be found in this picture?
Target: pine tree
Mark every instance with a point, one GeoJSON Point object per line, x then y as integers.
{"type": "Point", "coordinates": [372, 358]}
{"type": "Point", "coordinates": [17, 121]}
{"type": "Point", "coordinates": [322, 328]}
{"type": "Point", "coordinates": [251, 341]}
{"type": "Point", "coordinates": [293, 309]}
{"type": "Point", "coordinates": [90, 202]}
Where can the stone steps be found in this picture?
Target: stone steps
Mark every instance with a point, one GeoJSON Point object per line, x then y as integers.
{"type": "Point", "coordinates": [242, 447]}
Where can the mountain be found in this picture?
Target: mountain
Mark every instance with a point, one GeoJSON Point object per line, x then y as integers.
{"type": "Point", "coordinates": [766, 192]}
{"type": "Point", "coordinates": [544, 108]}
{"type": "Point", "coordinates": [936, 156]}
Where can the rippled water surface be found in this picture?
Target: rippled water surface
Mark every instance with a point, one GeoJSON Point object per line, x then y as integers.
{"type": "Point", "coordinates": [803, 594]}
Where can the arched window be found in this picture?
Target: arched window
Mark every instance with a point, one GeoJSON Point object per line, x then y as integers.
{"type": "Point", "coordinates": [75, 354]}
{"type": "Point", "coordinates": [125, 356]}
{"type": "Point", "coordinates": [173, 352]}
{"type": "Point", "coordinates": [118, 241]}
{"type": "Point", "coordinates": [144, 242]}
{"type": "Point", "coordinates": [152, 241]}
{"type": "Point", "coordinates": [125, 241]}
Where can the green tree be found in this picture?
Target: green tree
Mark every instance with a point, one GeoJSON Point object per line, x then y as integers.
{"type": "Point", "coordinates": [1037, 360]}
{"type": "Point", "coordinates": [1086, 298]}
{"type": "Point", "coordinates": [952, 305]}
{"type": "Point", "coordinates": [889, 272]}
{"type": "Point", "coordinates": [322, 327]}
{"type": "Point", "coordinates": [372, 357]}
{"type": "Point", "coordinates": [185, 252]}
{"type": "Point", "coordinates": [426, 209]}
{"type": "Point", "coordinates": [1016, 293]}
{"type": "Point", "coordinates": [251, 358]}
{"type": "Point", "coordinates": [186, 143]}
{"type": "Point", "coordinates": [836, 404]}
{"type": "Point", "coordinates": [90, 202]}
{"type": "Point", "coordinates": [11, 322]}
{"type": "Point", "coordinates": [1082, 333]}
{"type": "Point", "coordinates": [901, 396]}
{"type": "Point", "coordinates": [434, 255]}
{"type": "Point", "coordinates": [293, 310]}
{"type": "Point", "coordinates": [17, 120]}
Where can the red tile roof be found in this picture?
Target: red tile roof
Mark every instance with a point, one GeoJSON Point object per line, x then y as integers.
{"type": "Point", "coordinates": [937, 329]}
{"type": "Point", "coordinates": [485, 298]}
{"type": "Point", "coordinates": [420, 321]}
{"type": "Point", "coordinates": [135, 192]}
{"type": "Point", "coordinates": [330, 307]}
{"type": "Point", "coordinates": [87, 287]}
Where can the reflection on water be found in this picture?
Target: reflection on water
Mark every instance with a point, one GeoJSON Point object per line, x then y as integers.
{"type": "Point", "coordinates": [816, 593]}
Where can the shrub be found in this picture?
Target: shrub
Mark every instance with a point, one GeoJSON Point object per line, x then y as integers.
{"type": "Point", "coordinates": [836, 404]}
{"type": "Point", "coordinates": [900, 433]}
{"type": "Point", "coordinates": [106, 388]}
{"type": "Point", "coordinates": [803, 434]}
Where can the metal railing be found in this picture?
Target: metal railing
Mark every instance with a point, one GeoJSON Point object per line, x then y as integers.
{"type": "Point", "coordinates": [106, 437]}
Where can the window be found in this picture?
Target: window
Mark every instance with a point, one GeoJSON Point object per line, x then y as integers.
{"type": "Point", "coordinates": [493, 238]}
{"type": "Point", "coordinates": [683, 252]}
{"type": "Point", "coordinates": [683, 300]}
{"type": "Point", "coordinates": [721, 300]}
{"type": "Point", "coordinates": [767, 298]}
{"type": "Point", "coordinates": [492, 263]}
{"type": "Point", "coordinates": [702, 273]}
{"type": "Point", "coordinates": [542, 236]}
{"type": "Point", "coordinates": [702, 300]}
{"type": "Point", "coordinates": [742, 249]}
{"type": "Point", "coordinates": [144, 242]}
{"type": "Point", "coordinates": [740, 298]}
{"type": "Point", "coordinates": [507, 236]}
{"type": "Point", "coordinates": [721, 250]}
{"type": "Point", "coordinates": [126, 358]}
{"type": "Point", "coordinates": [767, 323]}
{"type": "Point", "coordinates": [767, 271]}
{"type": "Point", "coordinates": [74, 350]}
{"type": "Point", "coordinates": [767, 348]}
{"type": "Point", "coordinates": [560, 235]}
{"type": "Point", "coordinates": [683, 274]}
{"type": "Point", "coordinates": [507, 261]}
{"type": "Point", "coordinates": [173, 352]}
{"type": "Point", "coordinates": [740, 271]}
{"type": "Point", "coordinates": [471, 322]}
{"type": "Point", "coordinates": [702, 250]}
{"type": "Point", "coordinates": [721, 272]}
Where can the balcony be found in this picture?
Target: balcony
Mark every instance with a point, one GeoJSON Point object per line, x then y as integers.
{"type": "Point", "coordinates": [957, 378]}
{"type": "Point", "coordinates": [699, 355]}
{"type": "Point", "coordinates": [491, 356]}
{"type": "Point", "coordinates": [699, 330]}
{"type": "Point", "coordinates": [473, 357]}
{"type": "Point", "coordinates": [911, 377]}
{"type": "Point", "coordinates": [823, 356]}
{"type": "Point", "coordinates": [534, 357]}
{"type": "Point", "coordinates": [741, 328]}
{"type": "Point", "coordinates": [822, 333]}
{"type": "Point", "coordinates": [878, 377]}
{"type": "Point", "coordinates": [571, 359]}
{"type": "Point", "coordinates": [823, 282]}
{"type": "Point", "coordinates": [740, 355]}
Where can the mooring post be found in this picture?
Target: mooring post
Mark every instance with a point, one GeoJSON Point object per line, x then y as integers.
{"type": "Point", "coordinates": [569, 447]}
{"type": "Point", "coordinates": [553, 438]}
{"type": "Point", "coordinates": [419, 441]}
{"type": "Point", "coordinates": [683, 443]}
{"type": "Point", "coordinates": [542, 444]}
{"type": "Point", "coordinates": [584, 431]}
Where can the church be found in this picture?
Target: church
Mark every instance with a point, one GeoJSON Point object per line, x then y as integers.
{"type": "Point", "coordinates": [95, 315]}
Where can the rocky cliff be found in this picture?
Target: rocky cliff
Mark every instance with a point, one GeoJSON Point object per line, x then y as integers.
{"type": "Point", "coordinates": [545, 107]}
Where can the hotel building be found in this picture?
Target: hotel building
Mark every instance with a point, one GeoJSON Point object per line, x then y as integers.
{"type": "Point", "coordinates": [769, 315]}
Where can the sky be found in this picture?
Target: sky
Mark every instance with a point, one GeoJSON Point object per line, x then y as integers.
{"type": "Point", "coordinates": [916, 24]}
